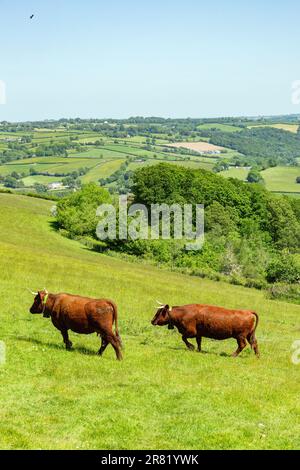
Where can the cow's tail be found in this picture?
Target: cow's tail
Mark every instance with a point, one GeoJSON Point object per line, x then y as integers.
{"type": "Point", "coordinates": [115, 319]}
{"type": "Point", "coordinates": [252, 337]}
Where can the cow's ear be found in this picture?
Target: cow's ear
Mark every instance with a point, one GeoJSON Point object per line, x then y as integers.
{"type": "Point", "coordinates": [167, 307]}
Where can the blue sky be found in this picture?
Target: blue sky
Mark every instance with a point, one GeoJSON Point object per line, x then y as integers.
{"type": "Point", "coordinates": [121, 58]}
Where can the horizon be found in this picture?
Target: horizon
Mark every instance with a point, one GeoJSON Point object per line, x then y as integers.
{"type": "Point", "coordinates": [132, 59]}
{"type": "Point", "coordinates": [242, 117]}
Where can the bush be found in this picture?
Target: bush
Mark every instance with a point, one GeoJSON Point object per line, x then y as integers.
{"type": "Point", "coordinates": [77, 212]}
{"type": "Point", "coordinates": [289, 293]}
{"type": "Point", "coordinates": [283, 269]}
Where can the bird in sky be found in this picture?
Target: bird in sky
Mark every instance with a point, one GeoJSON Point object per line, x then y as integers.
{"type": "Point", "coordinates": [31, 16]}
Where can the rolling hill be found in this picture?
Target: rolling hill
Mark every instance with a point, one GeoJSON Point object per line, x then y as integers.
{"type": "Point", "coordinates": [161, 395]}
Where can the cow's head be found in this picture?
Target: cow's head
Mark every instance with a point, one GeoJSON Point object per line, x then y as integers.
{"type": "Point", "coordinates": [39, 302]}
{"type": "Point", "coordinates": [162, 317]}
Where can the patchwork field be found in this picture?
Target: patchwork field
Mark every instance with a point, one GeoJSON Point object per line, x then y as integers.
{"type": "Point", "coordinates": [197, 146]}
{"type": "Point", "coordinates": [101, 155]}
{"type": "Point", "coordinates": [239, 173]}
{"type": "Point", "coordinates": [282, 179]}
{"type": "Point", "coordinates": [286, 127]}
{"type": "Point", "coordinates": [197, 163]}
{"type": "Point", "coordinates": [102, 170]}
{"type": "Point", "coordinates": [218, 126]}
{"type": "Point", "coordinates": [29, 181]}
{"type": "Point", "coordinates": [161, 396]}
{"type": "Point", "coordinates": [277, 179]}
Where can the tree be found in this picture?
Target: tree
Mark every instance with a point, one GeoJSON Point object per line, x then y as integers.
{"type": "Point", "coordinates": [77, 212]}
{"type": "Point", "coordinates": [283, 268]}
{"type": "Point", "coordinates": [254, 176]}
{"type": "Point", "coordinates": [16, 175]}
{"type": "Point", "coordinates": [11, 182]}
{"type": "Point", "coordinates": [40, 188]}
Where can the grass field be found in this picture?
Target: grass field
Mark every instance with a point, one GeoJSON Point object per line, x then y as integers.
{"type": "Point", "coordinates": [239, 173]}
{"type": "Point", "coordinates": [281, 178]}
{"type": "Point", "coordinates": [286, 127]}
{"type": "Point", "coordinates": [219, 126]}
{"type": "Point", "coordinates": [197, 146]}
{"type": "Point", "coordinates": [206, 164]}
{"type": "Point", "coordinates": [102, 170]}
{"type": "Point", "coordinates": [161, 396]}
{"type": "Point", "coordinates": [29, 181]}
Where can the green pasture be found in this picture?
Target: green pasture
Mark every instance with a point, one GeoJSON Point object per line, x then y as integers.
{"type": "Point", "coordinates": [218, 126]}
{"type": "Point", "coordinates": [161, 396]}
{"type": "Point", "coordinates": [102, 170]}
{"type": "Point", "coordinates": [282, 178]}
{"type": "Point", "coordinates": [40, 179]}
{"type": "Point", "coordinates": [286, 127]}
{"type": "Point", "coordinates": [239, 173]}
{"type": "Point", "coordinates": [97, 152]}
{"type": "Point", "coordinates": [48, 164]}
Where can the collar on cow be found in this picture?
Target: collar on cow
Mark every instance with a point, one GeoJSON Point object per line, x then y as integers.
{"type": "Point", "coordinates": [44, 304]}
{"type": "Point", "coordinates": [171, 324]}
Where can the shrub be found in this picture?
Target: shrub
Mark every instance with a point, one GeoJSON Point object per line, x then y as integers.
{"type": "Point", "coordinates": [283, 268]}
{"type": "Point", "coordinates": [77, 212]}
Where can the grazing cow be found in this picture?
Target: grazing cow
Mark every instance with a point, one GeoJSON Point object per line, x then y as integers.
{"type": "Point", "coordinates": [197, 320]}
{"type": "Point", "coordinates": [82, 315]}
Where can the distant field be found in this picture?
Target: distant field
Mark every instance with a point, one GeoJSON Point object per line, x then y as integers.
{"type": "Point", "coordinates": [132, 151]}
{"type": "Point", "coordinates": [238, 173]}
{"type": "Point", "coordinates": [194, 164]}
{"type": "Point", "coordinates": [207, 165]}
{"type": "Point", "coordinates": [286, 127]}
{"type": "Point", "coordinates": [50, 165]}
{"type": "Point", "coordinates": [279, 179]}
{"type": "Point", "coordinates": [104, 160]}
{"type": "Point", "coordinates": [220, 127]}
{"type": "Point", "coordinates": [102, 170]}
{"type": "Point", "coordinates": [136, 165]}
{"type": "Point", "coordinates": [282, 178]}
{"type": "Point", "coordinates": [31, 180]}
{"type": "Point", "coordinates": [94, 152]}
{"type": "Point", "coordinates": [72, 166]}
{"type": "Point", "coordinates": [197, 146]}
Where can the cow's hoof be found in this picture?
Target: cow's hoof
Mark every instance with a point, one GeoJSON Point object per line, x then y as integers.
{"type": "Point", "coordinates": [191, 348]}
{"type": "Point", "coordinates": [69, 346]}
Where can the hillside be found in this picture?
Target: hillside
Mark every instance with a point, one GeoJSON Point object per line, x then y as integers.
{"type": "Point", "coordinates": [161, 395]}
{"type": "Point", "coordinates": [57, 156]}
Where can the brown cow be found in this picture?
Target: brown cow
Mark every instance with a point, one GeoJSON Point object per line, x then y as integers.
{"type": "Point", "coordinates": [82, 315]}
{"type": "Point", "coordinates": [197, 320]}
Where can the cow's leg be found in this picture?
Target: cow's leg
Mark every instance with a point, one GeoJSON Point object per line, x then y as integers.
{"type": "Point", "coordinates": [242, 343]}
{"type": "Point", "coordinates": [104, 344]}
{"type": "Point", "coordinates": [253, 343]}
{"type": "Point", "coordinates": [189, 345]}
{"type": "Point", "coordinates": [255, 346]}
{"type": "Point", "coordinates": [199, 339]}
{"type": "Point", "coordinates": [113, 340]}
{"type": "Point", "coordinates": [65, 336]}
